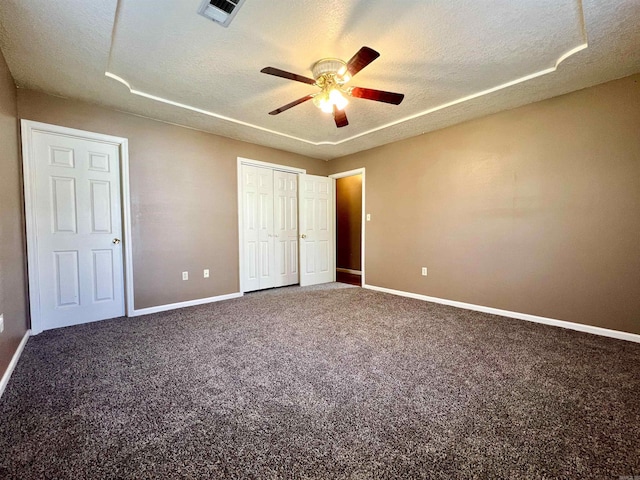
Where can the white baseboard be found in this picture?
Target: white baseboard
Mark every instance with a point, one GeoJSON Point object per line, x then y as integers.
{"type": "Point", "coordinates": [13, 362]}
{"type": "Point", "coordinates": [605, 332]}
{"type": "Point", "coordinates": [190, 303]}
{"type": "Point", "coordinates": [348, 270]}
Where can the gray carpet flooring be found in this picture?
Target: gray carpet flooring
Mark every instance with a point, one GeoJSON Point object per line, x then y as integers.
{"type": "Point", "coordinates": [332, 382]}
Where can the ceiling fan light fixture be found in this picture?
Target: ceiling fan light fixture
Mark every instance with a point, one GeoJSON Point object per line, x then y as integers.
{"type": "Point", "coordinates": [326, 99]}
{"type": "Point", "coordinates": [338, 99]}
{"type": "Point", "coordinates": [326, 107]}
{"type": "Point", "coordinates": [322, 101]}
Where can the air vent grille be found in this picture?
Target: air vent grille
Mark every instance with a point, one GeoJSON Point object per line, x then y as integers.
{"type": "Point", "coordinates": [224, 5]}
{"type": "Point", "coordinates": [220, 11]}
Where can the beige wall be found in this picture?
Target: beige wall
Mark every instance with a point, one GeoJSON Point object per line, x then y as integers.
{"type": "Point", "coordinates": [13, 296]}
{"type": "Point", "coordinates": [534, 210]}
{"type": "Point", "coordinates": [348, 222]}
{"type": "Point", "coordinates": [183, 196]}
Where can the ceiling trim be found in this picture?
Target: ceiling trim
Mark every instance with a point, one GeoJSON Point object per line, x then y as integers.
{"type": "Point", "coordinates": [428, 111]}
{"type": "Point", "coordinates": [362, 134]}
{"type": "Point", "coordinates": [205, 112]}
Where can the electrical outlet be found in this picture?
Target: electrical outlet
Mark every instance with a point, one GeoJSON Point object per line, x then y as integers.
{"type": "Point", "coordinates": [424, 271]}
{"type": "Point", "coordinates": [185, 275]}
{"type": "Point", "coordinates": [1, 322]}
{"type": "Point", "coordinates": [206, 273]}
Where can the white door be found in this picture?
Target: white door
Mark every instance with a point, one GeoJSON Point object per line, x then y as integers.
{"type": "Point", "coordinates": [257, 225]}
{"type": "Point", "coordinates": [78, 229]}
{"type": "Point", "coordinates": [285, 186]}
{"type": "Point", "coordinates": [316, 230]}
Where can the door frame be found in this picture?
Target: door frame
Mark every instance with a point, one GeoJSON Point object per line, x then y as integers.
{"type": "Point", "coordinates": [351, 173]}
{"type": "Point", "coordinates": [28, 128]}
{"type": "Point", "coordinates": [254, 163]}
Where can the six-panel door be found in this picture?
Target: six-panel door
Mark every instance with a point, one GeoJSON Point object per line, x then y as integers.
{"type": "Point", "coordinates": [316, 230]}
{"type": "Point", "coordinates": [257, 225]}
{"type": "Point", "coordinates": [78, 230]}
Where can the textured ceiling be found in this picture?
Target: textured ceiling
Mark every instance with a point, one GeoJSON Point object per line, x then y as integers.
{"type": "Point", "coordinates": [454, 60]}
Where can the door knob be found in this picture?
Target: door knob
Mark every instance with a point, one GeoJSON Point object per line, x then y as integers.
{"type": "Point", "coordinates": [115, 241]}
{"type": "Point", "coordinates": [303, 236]}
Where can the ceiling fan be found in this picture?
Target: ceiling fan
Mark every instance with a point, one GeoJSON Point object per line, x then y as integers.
{"type": "Point", "coordinates": [331, 75]}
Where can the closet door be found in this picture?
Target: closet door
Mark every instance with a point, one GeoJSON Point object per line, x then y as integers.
{"type": "Point", "coordinates": [257, 223]}
{"type": "Point", "coordinates": [317, 238]}
{"type": "Point", "coordinates": [286, 228]}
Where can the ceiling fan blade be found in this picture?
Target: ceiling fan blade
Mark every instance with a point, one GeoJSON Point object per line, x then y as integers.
{"type": "Point", "coordinates": [290, 105]}
{"type": "Point", "coordinates": [288, 75]}
{"type": "Point", "coordinates": [361, 59]}
{"type": "Point", "coordinates": [377, 95]}
{"type": "Point", "coordinates": [340, 117]}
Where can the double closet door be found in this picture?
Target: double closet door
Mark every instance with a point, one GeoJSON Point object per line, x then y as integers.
{"type": "Point", "coordinates": [269, 227]}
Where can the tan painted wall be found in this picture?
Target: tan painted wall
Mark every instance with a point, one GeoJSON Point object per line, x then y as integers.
{"type": "Point", "coordinates": [534, 210]}
{"type": "Point", "coordinates": [183, 196]}
{"type": "Point", "coordinates": [13, 295]}
{"type": "Point", "coordinates": [348, 222]}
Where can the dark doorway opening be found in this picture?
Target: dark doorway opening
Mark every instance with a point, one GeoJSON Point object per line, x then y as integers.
{"type": "Point", "coordinates": [349, 229]}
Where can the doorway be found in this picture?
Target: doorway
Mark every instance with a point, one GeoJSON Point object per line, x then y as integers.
{"type": "Point", "coordinates": [349, 218]}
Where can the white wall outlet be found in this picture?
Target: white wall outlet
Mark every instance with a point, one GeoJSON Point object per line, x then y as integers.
{"type": "Point", "coordinates": [206, 273]}
{"type": "Point", "coordinates": [424, 271]}
{"type": "Point", "coordinates": [368, 217]}
{"type": "Point", "coordinates": [1, 322]}
{"type": "Point", "coordinates": [185, 275]}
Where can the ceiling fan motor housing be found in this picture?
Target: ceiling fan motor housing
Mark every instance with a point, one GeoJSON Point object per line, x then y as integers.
{"type": "Point", "coordinates": [329, 67]}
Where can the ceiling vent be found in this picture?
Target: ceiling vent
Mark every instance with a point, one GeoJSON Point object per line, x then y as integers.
{"type": "Point", "coordinates": [220, 11]}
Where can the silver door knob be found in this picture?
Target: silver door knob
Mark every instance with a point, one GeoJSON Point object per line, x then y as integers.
{"type": "Point", "coordinates": [115, 241]}
{"type": "Point", "coordinates": [303, 236]}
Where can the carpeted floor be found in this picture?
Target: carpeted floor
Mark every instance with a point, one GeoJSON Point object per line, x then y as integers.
{"type": "Point", "coordinates": [332, 382]}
